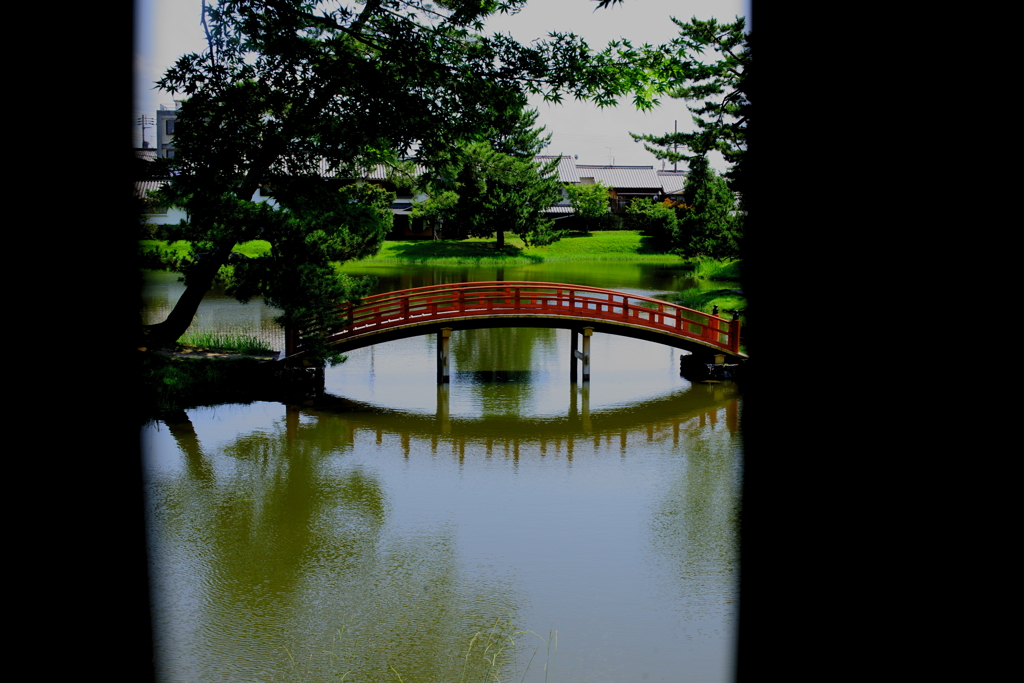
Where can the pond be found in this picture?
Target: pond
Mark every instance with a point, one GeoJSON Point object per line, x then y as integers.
{"type": "Point", "coordinates": [398, 530]}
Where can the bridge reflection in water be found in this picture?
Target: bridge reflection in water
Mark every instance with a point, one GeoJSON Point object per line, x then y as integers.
{"type": "Point", "coordinates": [664, 419]}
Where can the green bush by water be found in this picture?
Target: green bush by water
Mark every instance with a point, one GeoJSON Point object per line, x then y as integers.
{"type": "Point", "coordinates": [714, 269]}
{"type": "Point", "coordinates": [170, 384]}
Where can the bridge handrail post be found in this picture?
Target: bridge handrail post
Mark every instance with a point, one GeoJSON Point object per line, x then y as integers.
{"type": "Point", "coordinates": [734, 332]}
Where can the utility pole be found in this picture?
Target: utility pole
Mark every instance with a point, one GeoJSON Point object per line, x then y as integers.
{"type": "Point", "coordinates": [675, 147]}
{"type": "Point", "coordinates": [145, 121]}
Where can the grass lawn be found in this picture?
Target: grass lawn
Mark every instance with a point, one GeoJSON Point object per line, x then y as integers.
{"type": "Point", "coordinates": [176, 250]}
{"type": "Point", "coordinates": [610, 245]}
{"type": "Point", "coordinates": [617, 245]}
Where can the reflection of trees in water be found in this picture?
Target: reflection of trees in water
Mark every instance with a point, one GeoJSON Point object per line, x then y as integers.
{"type": "Point", "coordinates": [492, 359]}
{"type": "Point", "coordinates": [264, 543]}
{"type": "Point", "coordinates": [695, 526]}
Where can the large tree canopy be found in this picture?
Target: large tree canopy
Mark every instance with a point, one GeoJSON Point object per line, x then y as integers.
{"type": "Point", "coordinates": [294, 91]}
{"type": "Point", "coordinates": [719, 87]}
{"type": "Point", "coordinates": [709, 223]}
{"type": "Point", "coordinates": [495, 184]}
{"type": "Point", "coordinates": [491, 193]}
{"type": "Point", "coordinates": [589, 202]}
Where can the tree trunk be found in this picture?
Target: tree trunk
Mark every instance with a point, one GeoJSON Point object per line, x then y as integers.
{"type": "Point", "coordinates": [501, 239]}
{"type": "Point", "coordinates": [184, 311]}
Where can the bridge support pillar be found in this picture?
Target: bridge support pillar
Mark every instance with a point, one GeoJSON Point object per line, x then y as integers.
{"type": "Point", "coordinates": [443, 419]}
{"type": "Point", "coordinates": [587, 333]}
{"type": "Point", "coordinates": [444, 338]}
{"type": "Point", "coordinates": [573, 352]}
{"type": "Point", "coordinates": [576, 355]}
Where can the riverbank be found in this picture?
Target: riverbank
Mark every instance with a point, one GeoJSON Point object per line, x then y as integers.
{"type": "Point", "coordinates": [610, 245]}
{"type": "Point", "coordinates": [188, 377]}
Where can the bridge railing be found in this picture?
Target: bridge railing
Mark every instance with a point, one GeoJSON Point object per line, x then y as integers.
{"type": "Point", "coordinates": [471, 299]}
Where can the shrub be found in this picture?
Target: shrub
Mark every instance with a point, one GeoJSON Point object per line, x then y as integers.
{"type": "Point", "coordinates": [657, 222]}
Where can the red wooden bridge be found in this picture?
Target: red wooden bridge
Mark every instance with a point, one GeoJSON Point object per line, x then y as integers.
{"type": "Point", "coordinates": [467, 305]}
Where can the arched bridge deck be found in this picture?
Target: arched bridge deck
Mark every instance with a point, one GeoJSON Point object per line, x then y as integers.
{"type": "Point", "coordinates": [467, 305]}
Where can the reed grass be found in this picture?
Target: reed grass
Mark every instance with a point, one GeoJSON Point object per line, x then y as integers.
{"type": "Point", "coordinates": [244, 344]}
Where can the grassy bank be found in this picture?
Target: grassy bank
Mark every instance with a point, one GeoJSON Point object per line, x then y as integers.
{"type": "Point", "coordinates": [171, 384]}
{"type": "Point", "coordinates": [727, 300]}
{"type": "Point", "coordinates": [161, 255]}
{"type": "Point", "coordinates": [617, 245]}
{"type": "Point", "coordinates": [200, 376]}
{"type": "Point", "coordinates": [611, 245]}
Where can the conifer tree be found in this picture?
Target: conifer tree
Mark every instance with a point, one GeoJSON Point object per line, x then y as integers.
{"type": "Point", "coordinates": [709, 224]}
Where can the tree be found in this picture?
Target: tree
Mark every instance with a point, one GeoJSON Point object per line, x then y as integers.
{"type": "Point", "coordinates": [659, 223]}
{"type": "Point", "coordinates": [493, 183]}
{"type": "Point", "coordinates": [490, 192]}
{"type": "Point", "coordinates": [323, 226]}
{"type": "Point", "coordinates": [290, 92]}
{"type": "Point", "coordinates": [721, 87]}
{"type": "Point", "coordinates": [704, 223]}
{"type": "Point", "coordinates": [709, 224]}
{"type": "Point", "coordinates": [589, 202]}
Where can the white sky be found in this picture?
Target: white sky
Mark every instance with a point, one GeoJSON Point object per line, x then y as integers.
{"type": "Point", "coordinates": [167, 29]}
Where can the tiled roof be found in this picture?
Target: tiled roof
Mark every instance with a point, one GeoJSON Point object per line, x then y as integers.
{"type": "Point", "coordinates": [566, 167]}
{"type": "Point", "coordinates": [622, 177]}
{"type": "Point", "coordinates": [672, 181]}
{"type": "Point", "coordinates": [378, 172]}
{"type": "Point", "coordinates": [142, 187]}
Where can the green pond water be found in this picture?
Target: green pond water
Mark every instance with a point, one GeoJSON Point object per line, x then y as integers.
{"type": "Point", "coordinates": [393, 528]}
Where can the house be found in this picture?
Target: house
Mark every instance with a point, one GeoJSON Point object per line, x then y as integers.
{"type": "Point", "coordinates": [672, 183]}
{"type": "Point", "coordinates": [566, 175]}
{"type": "Point", "coordinates": [625, 183]}
{"type": "Point", "coordinates": [166, 117]}
{"type": "Point", "coordinates": [154, 214]}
